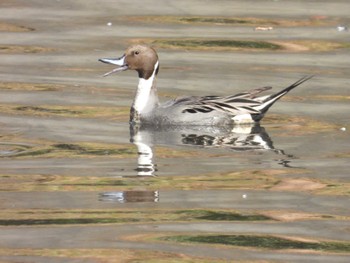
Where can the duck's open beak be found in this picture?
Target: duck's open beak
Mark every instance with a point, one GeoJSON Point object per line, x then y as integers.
{"type": "Point", "coordinates": [115, 61]}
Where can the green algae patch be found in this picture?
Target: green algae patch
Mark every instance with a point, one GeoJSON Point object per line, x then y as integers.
{"type": "Point", "coordinates": [235, 180]}
{"type": "Point", "coordinates": [261, 180]}
{"type": "Point", "coordinates": [341, 155]}
{"type": "Point", "coordinates": [105, 255]}
{"type": "Point", "coordinates": [266, 242]}
{"type": "Point", "coordinates": [297, 125]}
{"type": "Point", "coordinates": [311, 45]}
{"type": "Point", "coordinates": [31, 217]}
{"type": "Point", "coordinates": [340, 98]}
{"type": "Point", "coordinates": [95, 151]}
{"type": "Point", "coordinates": [235, 21]}
{"type": "Point", "coordinates": [37, 87]}
{"type": "Point", "coordinates": [290, 216]}
{"type": "Point", "coordinates": [72, 111]}
{"type": "Point", "coordinates": [9, 149]}
{"type": "Point", "coordinates": [64, 221]}
{"type": "Point", "coordinates": [32, 153]}
{"type": "Point", "coordinates": [334, 188]}
{"type": "Point", "coordinates": [321, 187]}
{"type": "Point", "coordinates": [66, 150]}
{"type": "Point", "coordinates": [47, 110]}
{"type": "Point", "coordinates": [226, 20]}
{"type": "Point", "coordinates": [7, 27]}
{"type": "Point", "coordinates": [298, 184]}
{"type": "Point", "coordinates": [216, 44]}
{"type": "Point", "coordinates": [11, 49]}
{"type": "Point", "coordinates": [202, 44]}
{"type": "Point", "coordinates": [211, 215]}
{"type": "Point", "coordinates": [206, 20]}
{"type": "Point", "coordinates": [30, 86]}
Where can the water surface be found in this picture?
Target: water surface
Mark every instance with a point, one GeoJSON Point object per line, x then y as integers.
{"type": "Point", "coordinates": [78, 185]}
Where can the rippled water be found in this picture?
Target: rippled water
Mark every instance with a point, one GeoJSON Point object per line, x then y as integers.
{"type": "Point", "coordinates": [77, 184]}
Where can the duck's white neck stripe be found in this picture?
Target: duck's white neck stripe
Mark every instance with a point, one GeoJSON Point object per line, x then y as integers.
{"type": "Point", "coordinates": [144, 91]}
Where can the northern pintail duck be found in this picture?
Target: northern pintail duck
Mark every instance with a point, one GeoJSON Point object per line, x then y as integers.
{"type": "Point", "coordinates": [245, 107]}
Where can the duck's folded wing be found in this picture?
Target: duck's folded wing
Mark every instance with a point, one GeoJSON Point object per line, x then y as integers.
{"type": "Point", "coordinates": [240, 103]}
{"type": "Point", "coordinates": [229, 105]}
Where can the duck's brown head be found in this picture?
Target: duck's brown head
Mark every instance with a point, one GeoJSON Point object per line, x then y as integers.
{"type": "Point", "coordinates": [141, 58]}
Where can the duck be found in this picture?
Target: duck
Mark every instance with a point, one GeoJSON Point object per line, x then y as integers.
{"type": "Point", "coordinates": [247, 107]}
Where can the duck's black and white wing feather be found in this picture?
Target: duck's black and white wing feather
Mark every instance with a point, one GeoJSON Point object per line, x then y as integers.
{"type": "Point", "coordinates": [242, 103]}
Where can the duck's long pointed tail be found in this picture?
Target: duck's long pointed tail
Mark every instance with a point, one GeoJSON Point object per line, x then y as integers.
{"type": "Point", "coordinates": [270, 100]}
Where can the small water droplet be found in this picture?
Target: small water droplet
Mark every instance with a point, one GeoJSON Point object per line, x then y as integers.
{"type": "Point", "coordinates": [342, 28]}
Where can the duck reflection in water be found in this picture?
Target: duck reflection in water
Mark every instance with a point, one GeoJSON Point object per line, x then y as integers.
{"type": "Point", "coordinates": [130, 196]}
{"type": "Point", "coordinates": [239, 138]}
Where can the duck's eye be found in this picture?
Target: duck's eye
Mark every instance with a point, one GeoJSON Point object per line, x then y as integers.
{"type": "Point", "coordinates": [137, 52]}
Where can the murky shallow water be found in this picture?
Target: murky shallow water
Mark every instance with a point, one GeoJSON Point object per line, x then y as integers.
{"type": "Point", "coordinates": [78, 186]}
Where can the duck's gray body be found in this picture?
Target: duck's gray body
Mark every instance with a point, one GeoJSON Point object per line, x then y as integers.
{"type": "Point", "coordinates": [242, 108]}
{"type": "Point", "coordinates": [171, 113]}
